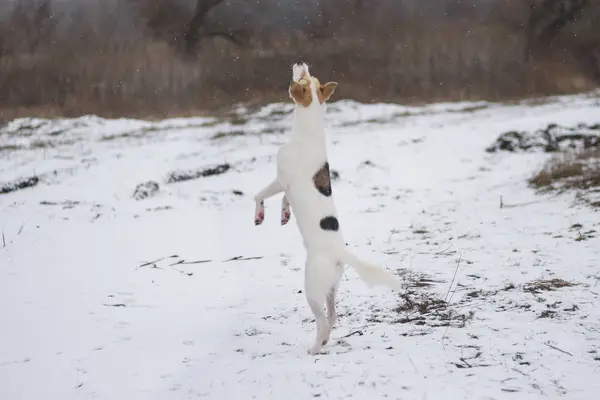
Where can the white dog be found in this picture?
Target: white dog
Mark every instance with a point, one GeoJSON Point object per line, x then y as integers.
{"type": "Point", "coordinates": [303, 174]}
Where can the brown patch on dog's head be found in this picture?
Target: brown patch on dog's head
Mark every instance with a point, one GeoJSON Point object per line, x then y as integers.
{"type": "Point", "coordinates": [301, 92]}
{"type": "Point", "coordinates": [304, 87]}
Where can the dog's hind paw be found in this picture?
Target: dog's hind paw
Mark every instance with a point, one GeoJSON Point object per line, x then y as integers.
{"type": "Point", "coordinates": [316, 350]}
{"type": "Point", "coordinates": [259, 218]}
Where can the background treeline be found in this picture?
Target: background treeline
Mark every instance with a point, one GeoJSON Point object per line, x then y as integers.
{"type": "Point", "coordinates": [154, 58]}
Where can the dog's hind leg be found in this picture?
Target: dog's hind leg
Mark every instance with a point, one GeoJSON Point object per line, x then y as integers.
{"type": "Point", "coordinates": [285, 210]}
{"type": "Point", "coordinates": [316, 291]}
{"type": "Point", "coordinates": [321, 275]}
{"type": "Point", "coordinates": [330, 300]}
{"type": "Point", "coordinates": [317, 307]}
{"type": "Point", "coordinates": [270, 190]}
{"type": "Point", "coordinates": [331, 314]}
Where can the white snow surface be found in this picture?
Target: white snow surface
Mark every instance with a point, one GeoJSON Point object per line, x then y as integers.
{"type": "Point", "coordinates": [82, 317]}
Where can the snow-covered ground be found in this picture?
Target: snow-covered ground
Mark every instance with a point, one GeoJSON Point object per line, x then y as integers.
{"type": "Point", "coordinates": [179, 296]}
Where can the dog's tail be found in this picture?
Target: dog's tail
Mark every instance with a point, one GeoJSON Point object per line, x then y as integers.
{"type": "Point", "coordinates": [369, 273]}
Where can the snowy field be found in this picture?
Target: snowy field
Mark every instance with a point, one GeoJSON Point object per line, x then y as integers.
{"type": "Point", "coordinates": [175, 294]}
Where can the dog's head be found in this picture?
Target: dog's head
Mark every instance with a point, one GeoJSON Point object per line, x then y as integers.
{"type": "Point", "coordinates": [306, 90]}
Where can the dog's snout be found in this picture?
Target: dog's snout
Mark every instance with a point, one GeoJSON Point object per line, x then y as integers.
{"type": "Point", "coordinates": [300, 70]}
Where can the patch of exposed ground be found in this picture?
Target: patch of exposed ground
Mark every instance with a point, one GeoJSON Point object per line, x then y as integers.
{"type": "Point", "coordinates": [424, 307]}
{"type": "Point", "coordinates": [574, 166]}
{"type": "Point", "coordinates": [553, 138]}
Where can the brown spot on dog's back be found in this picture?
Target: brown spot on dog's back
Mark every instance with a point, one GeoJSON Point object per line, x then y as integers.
{"type": "Point", "coordinates": [300, 92]}
{"type": "Point", "coordinates": [330, 224]}
{"type": "Point", "coordinates": [322, 180]}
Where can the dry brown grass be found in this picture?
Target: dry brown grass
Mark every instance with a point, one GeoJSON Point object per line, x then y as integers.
{"type": "Point", "coordinates": [541, 285]}
{"type": "Point", "coordinates": [570, 171]}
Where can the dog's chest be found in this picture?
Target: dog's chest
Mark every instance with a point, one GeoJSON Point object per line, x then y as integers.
{"type": "Point", "coordinates": [298, 162]}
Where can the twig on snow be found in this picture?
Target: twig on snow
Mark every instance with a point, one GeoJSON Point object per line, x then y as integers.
{"type": "Point", "coordinates": [392, 233]}
{"type": "Point", "coordinates": [454, 292]}
{"type": "Point", "coordinates": [21, 229]}
{"type": "Point", "coordinates": [242, 258]}
{"type": "Point", "coordinates": [444, 336]}
{"type": "Point", "coordinates": [446, 298]}
{"type": "Point", "coordinates": [3, 240]}
{"type": "Point", "coordinates": [145, 264]}
{"type": "Point", "coordinates": [359, 333]}
{"type": "Point", "coordinates": [453, 278]}
{"type": "Point", "coordinates": [183, 262]}
{"type": "Point", "coordinates": [413, 364]}
{"type": "Point", "coordinates": [116, 305]}
{"type": "Point", "coordinates": [439, 253]}
{"type": "Point", "coordinates": [556, 348]}
{"type": "Point", "coordinates": [465, 362]}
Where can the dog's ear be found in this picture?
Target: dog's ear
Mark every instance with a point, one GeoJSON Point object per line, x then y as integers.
{"type": "Point", "coordinates": [296, 90]}
{"type": "Point", "coordinates": [328, 89]}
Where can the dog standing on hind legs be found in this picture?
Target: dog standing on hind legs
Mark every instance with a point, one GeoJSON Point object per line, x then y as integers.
{"type": "Point", "coordinates": [303, 176]}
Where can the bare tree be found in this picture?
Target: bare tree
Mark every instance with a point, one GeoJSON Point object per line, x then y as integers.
{"type": "Point", "coordinates": [163, 18]}
{"type": "Point", "coordinates": [30, 23]}
{"type": "Point", "coordinates": [335, 14]}
{"type": "Point", "coordinates": [184, 27]}
{"type": "Point", "coordinates": [197, 28]}
{"type": "Point", "coordinates": [547, 18]}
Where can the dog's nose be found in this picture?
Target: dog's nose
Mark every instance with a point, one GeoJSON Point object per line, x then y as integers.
{"type": "Point", "coordinates": [299, 63]}
{"type": "Point", "coordinates": [300, 70]}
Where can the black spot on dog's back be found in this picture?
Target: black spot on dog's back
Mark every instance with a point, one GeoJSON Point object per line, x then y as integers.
{"type": "Point", "coordinates": [322, 180]}
{"type": "Point", "coordinates": [330, 224]}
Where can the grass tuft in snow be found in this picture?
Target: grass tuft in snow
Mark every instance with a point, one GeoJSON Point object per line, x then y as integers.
{"type": "Point", "coordinates": [541, 285]}
{"type": "Point", "coordinates": [227, 134]}
{"type": "Point", "coordinates": [579, 171]}
{"type": "Point", "coordinates": [9, 147]}
{"type": "Point", "coordinates": [180, 176]}
{"type": "Point", "coordinates": [18, 184]}
{"type": "Point", "coordinates": [145, 190]}
{"type": "Point", "coordinates": [422, 307]}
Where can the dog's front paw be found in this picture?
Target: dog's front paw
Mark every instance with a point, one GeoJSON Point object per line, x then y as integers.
{"type": "Point", "coordinates": [285, 217]}
{"type": "Point", "coordinates": [259, 218]}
